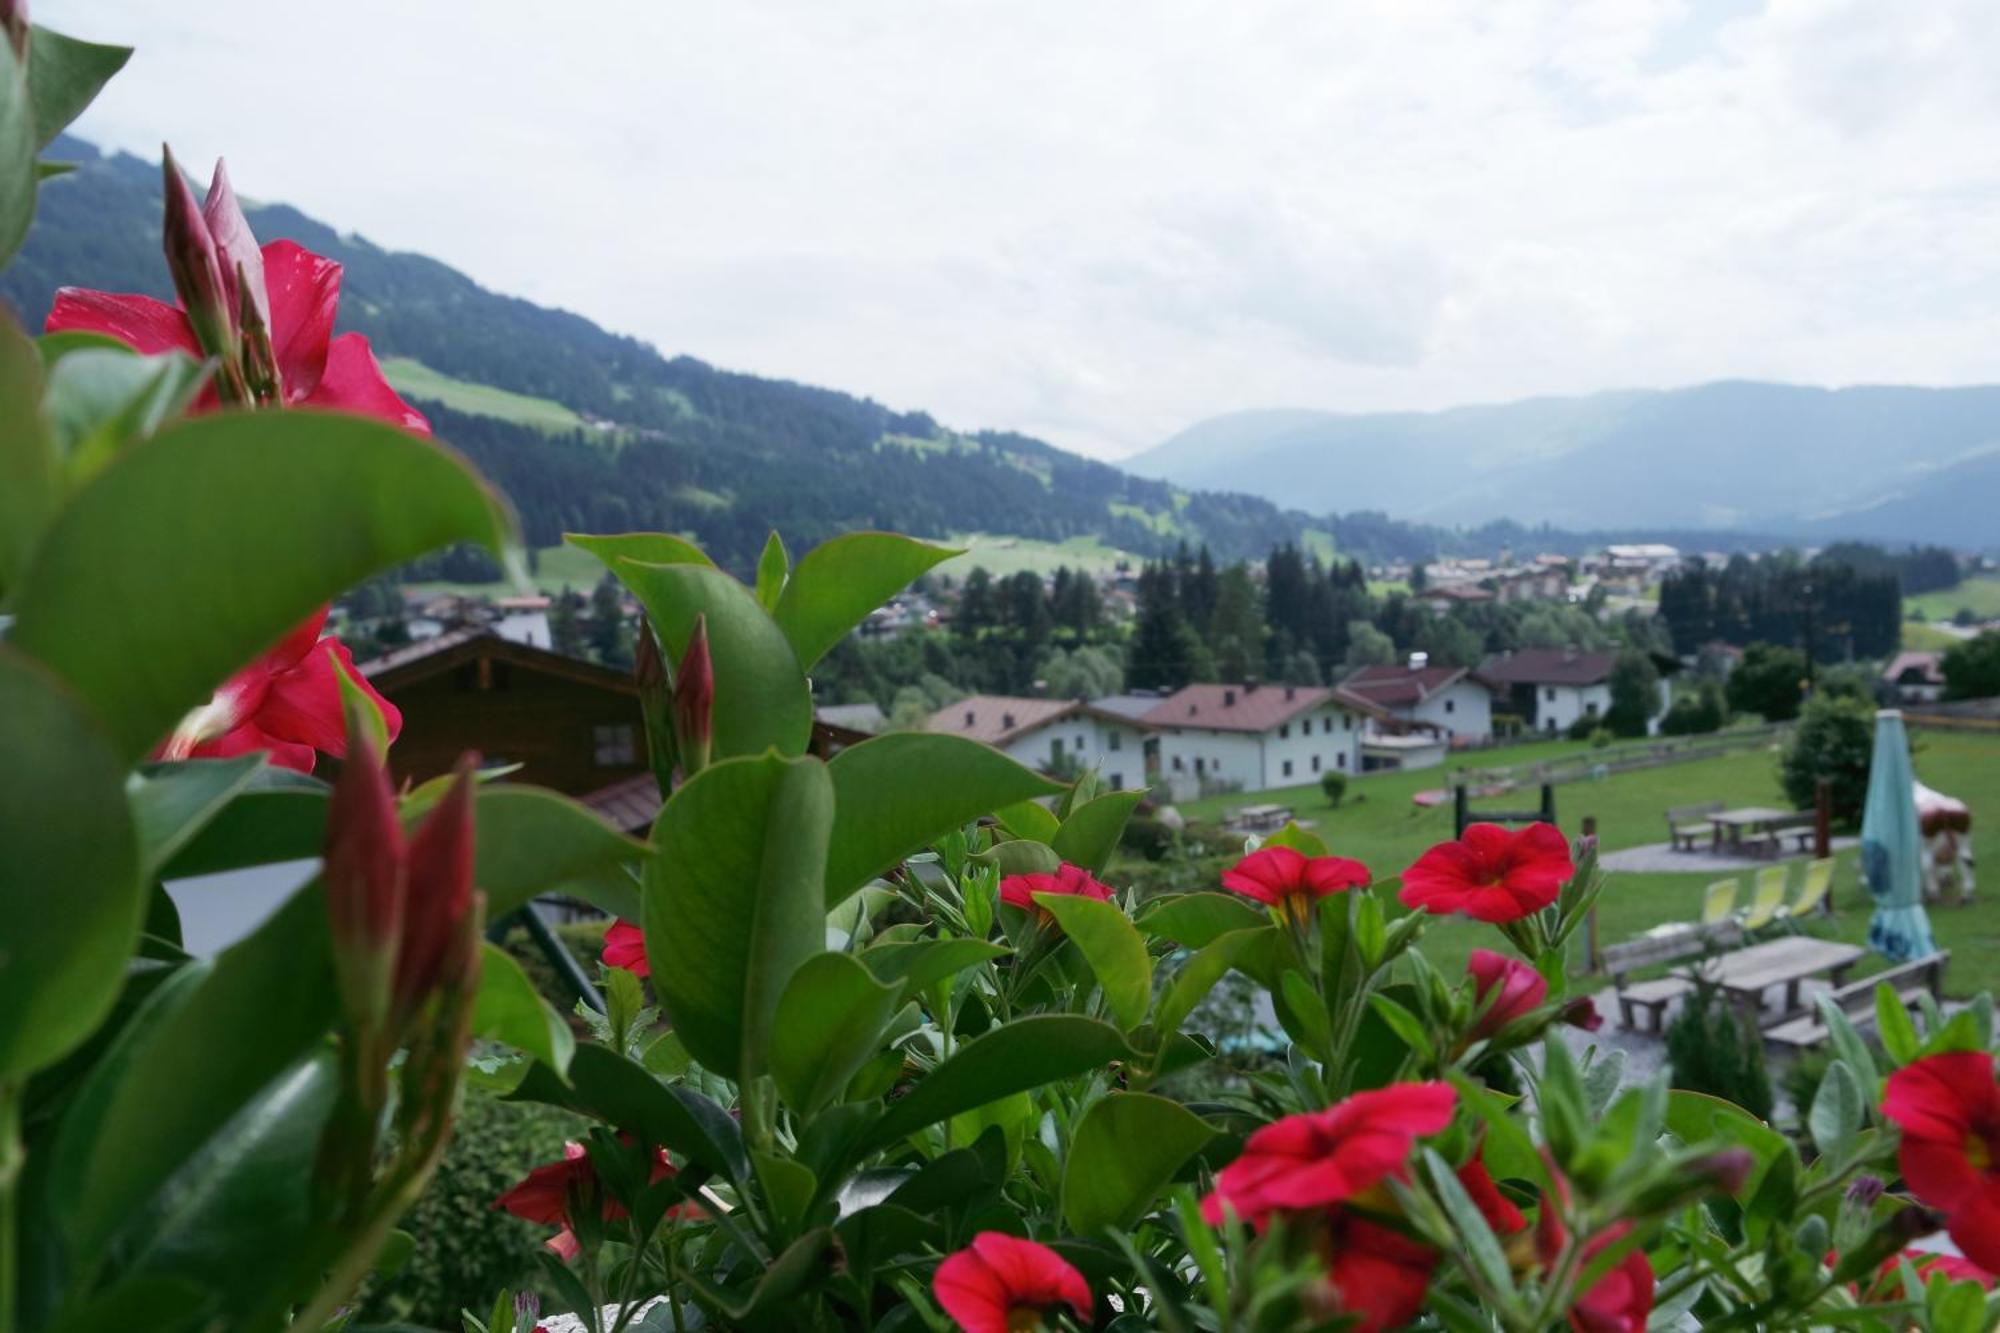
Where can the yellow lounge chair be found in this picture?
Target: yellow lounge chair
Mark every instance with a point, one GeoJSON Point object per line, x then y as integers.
{"type": "Point", "coordinates": [1769, 899]}
{"type": "Point", "coordinates": [1812, 889]}
{"type": "Point", "coordinates": [1718, 902]}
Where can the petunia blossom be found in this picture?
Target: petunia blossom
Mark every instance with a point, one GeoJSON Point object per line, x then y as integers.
{"type": "Point", "coordinates": [1499, 1211]}
{"type": "Point", "coordinates": [1289, 880]}
{"type": "Point", "coordinates": [1507, 989]}
{"type": "Point", "coordinates": [1375, 1276]}
{"type": "Point", "coordinates": [1948, 1107]}
{"type": "Point", "coordinates": [1004, 1284]}
{"type": "Point", "coordinates": [1020, 890]}
{"type": "Point", "coordinates": [625, 946]}
{"type": "Point", "coordinates": [1321, 1158]}
{"type": "Point", "coordinates": [1621, 1300]}
{"type": "Point", "coordinates": [287, 702]}
{"type": "Point", "coordinates": [552, 1192]}
{"type": "Point", "coordinates": [1491, 874]}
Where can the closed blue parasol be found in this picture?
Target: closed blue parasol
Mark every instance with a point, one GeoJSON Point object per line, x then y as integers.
{"type": "Point", "coordinates": [1891, 853]}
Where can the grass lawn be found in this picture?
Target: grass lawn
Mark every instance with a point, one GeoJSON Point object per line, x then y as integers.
{"type": "Point", "coordinates": [1002, 556]}
{"type": "Point", "coordinates": [1981, 593]}
{"type": "Point", "coordinates": [418, 380]}
{"type": "Point", "coordinates": [555, 567]}
{"type": "Point", "coordinates": [1922, 637]}
{"type": "Point", "coordinates": [1378, 824]}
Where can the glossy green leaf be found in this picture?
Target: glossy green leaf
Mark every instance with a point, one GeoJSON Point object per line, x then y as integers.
{"type": "Point", "coordinates": [1194, 919]}
{"type": "Point", "coordinates": [280, 815]}
{"type": "Point", "coordinates": [915, 965]}
{"type": "Point", "coordinates": [17, 154]}
{"type": "Point", "coordinates": [1018, 856]}
{"type": "Point", "coordinates": [30, 486]}
{"type": "Point", "coordinates": [71, 893]}
{"type": "Point", "coordinates": [894, 794]}
{"type": "Point", "coordinates": [1029, 819]}
{"type": "Point", "coordinates": [803, 1264]}
{"type": "Point", "coordinates": [788, 1188]}
{"type": "Point", "coordinates": [1481, 1246]}
{"type": "Point", "coordinates": [100, 402]}
{"type": "Point", "coordinates": [1015, 1057]}
{"type": "Point", "coordinates": [1112, 946]}
{"type": "Point", "coordinates": [1696, 1117]}
{"type": "Point", "coordinates": [1304, 841]}
{"type": "Point", "coordinates": [1198, 976]}
{"type": "Point", "coordinates": [649, 548]}
{"type": "Point", "coordinates": [773, 567]}
{"type": "Point", "coordinates": [830, 1021]}
{"type": "Point", "coordinates": [314, 503]}
{"type": "Point", "coordinates": [1126, 1149]}
{"type": "Point", "coordinates": [172, 803]}
{"type": "Point", "coordinates": [1894, 1026]}
{"type": "Point", "coordinates": [604, 1084]}
{"type": "Point", "coordinates": [734, 902]}
{"type": "Point", "coordinates": [169, 1084]}
{"type": "Point", "coordinates": [509, 1009]}
{"type": "Point", "coordinates": [1090, 835]}
{"type": "Point", "coordinates": [841, 580]}
{"type": "Point", "coordinates": [529, 840]}
{"type": "Point", "coordinates": [761, 699]}
{"type": "Point", "coordinates": [1837, 1111]}
{"type": "Point", "coordinates": [64, 76]}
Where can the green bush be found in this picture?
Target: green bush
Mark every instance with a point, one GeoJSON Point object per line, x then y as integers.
{"type": "Point", "coordinates": [585, 941]}
{"type": "Point", "coordinates": [1147, 837]}
{"type": "Point", "coordinates": [465, 1249]}
{"type": "Point", "coordinates": [1334, 784]}
{"type": "Point", "coordinates": [1696, 714]}
{"type": "Point", "coordinates": [1835, 740]}
{"type": "Point", "coordinates": [1712, 1050]}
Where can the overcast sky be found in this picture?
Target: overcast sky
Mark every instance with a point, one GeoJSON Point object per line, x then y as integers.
{"type": "Point", "coordinates": [1099, 221]}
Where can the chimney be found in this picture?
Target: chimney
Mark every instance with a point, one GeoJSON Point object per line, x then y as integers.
{"type": "Point", "coordinates": [1291, 692]}
{"type": "Point", "coordinates": [1192, 710]}
{"type": "Point", "coordinates": [1418, 661]}
{"type": "Point", "coordinates": [1006, 721]}
{"type": "Point", "coordinates": [970, 719]}
{"type": "Point", "coordinates": [1229, 698]}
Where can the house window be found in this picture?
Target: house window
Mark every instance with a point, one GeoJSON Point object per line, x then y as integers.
{"type": "Point", "coordinates": [1285, 728]}
{"type": "Point", "coordinates": [1080, 740]}
{"type": "Point", "coordinates": [1347, 721]}
{"type": "Point", "coordinates": [1451, 705]}
{"type": "Point", "coordinates": [1178, 766]}
{"type": "Point", "coordinates": [1197, 766]}
{"type": "Point", "coordinates": [1315, 763]}
{"type": "Point", "coordinates": [1114, 741]}
{"type": "Point", "coordinates": [1118, 782]}
{"type": "Point", "coordinates": [614, 746]}
{"type": "Point", "coordinates": [1288, 768]}
{"type": "Point", "coordinates": [1340, 760]}
{"type": "Point", "coordinates": [1549, 694]}
{"type": "Point", "coordinates": [1591, 708]}
{"type": "Point", "coordinates": [1055, 749]}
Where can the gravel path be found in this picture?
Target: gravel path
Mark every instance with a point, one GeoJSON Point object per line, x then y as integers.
{"type": "Point", "coordinates": [1661, 858]}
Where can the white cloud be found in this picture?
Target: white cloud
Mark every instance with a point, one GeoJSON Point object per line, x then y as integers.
{"type": "Point", "coordinates": [1100, 222]}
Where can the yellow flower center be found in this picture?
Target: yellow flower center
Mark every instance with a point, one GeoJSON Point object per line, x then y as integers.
{"type": "Point", "coordinates": [1978, 1152]}
{"type": "Point", "coordinates": [1024, 1319]}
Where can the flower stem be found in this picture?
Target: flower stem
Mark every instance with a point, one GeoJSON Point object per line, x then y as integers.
{"type": "Point", "coordinates": [11, 1159]}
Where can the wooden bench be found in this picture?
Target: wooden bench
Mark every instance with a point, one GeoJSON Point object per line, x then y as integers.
{"type": "Point", "coordinates": [1911, 981]}
{"type": "Point", "coordinates": [1688, 823]}
{"type": "Point", "coordinates": [1621, 960]}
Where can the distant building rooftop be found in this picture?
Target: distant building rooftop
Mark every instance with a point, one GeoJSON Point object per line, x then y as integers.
{"type": "Point", "coordinates": [1254, 708]}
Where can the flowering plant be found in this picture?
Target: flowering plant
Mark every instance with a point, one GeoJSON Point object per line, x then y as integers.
{"type": "Point", "coordinates": [923, 1062]}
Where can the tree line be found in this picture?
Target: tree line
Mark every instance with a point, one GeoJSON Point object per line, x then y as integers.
{"type": "Point", "coordinates": [1827, 607]}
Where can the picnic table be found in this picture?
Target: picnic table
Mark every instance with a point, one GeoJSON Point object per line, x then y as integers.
{"type": "Point", "coordinates": [1260, 818]}
{"type": "Point", "coordinates": [1731, 826]}
{"type": "Point", "coordinates": [1746, 974]}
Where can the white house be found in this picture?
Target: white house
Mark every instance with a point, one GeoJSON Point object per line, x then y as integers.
{"type": "Point", "coordinates": [1550, 688]}
{"type": "Point", "coordinates": [1250, 737]}
{"type": "Point", "coordinates": [1450, 702]}
{"type": "Point", "coordinates": [1053, 735]}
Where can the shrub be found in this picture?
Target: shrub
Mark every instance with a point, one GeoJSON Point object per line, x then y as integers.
{"type": "Point", "coordinates": [1712, 1050]}
{"type": "Point", "coordinates": [1768, 682]}
{"type": "Point", "coordinates": [1334, 784]}
{"type": "Point", "coordinates": [1834, 740]}
{"type": "Point", "coordinates": [1695, 714]}
{"type": "Point", "coordinates": [1147, 837]}
{"type": "Point", "coordinates": [1972, 669]}
{"type": "Point", "coordinates": [1635, 694]}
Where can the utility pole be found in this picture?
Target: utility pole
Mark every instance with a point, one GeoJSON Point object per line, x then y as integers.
{"type": "Point", "coordinates": [1806, 589]}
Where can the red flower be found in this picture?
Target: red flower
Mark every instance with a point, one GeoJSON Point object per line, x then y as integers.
{"type": "Point", "coordinates": [1286, 878]}
{"type": "Point", "coordinates": [1949, 1109]}
{"type": "Point", "coordinates": [1498, 1210]}
{"type": "Point", "coordinates": [299, 297]}
{"type": "Point", "coordinates": [1020, 890]}
{"type": "Point", "coordinates": [1490, 874]}
{"type": "Point", "coordinates": [1953, 1267]}
{"type": "Point", "coordinates": [1622, 1299]}
{"type": "Point", "coordinates": [625, 946]}
{"type": "Point", "coordinates": [1324, 1157]}
{"type": "Point", "coordinates": [1375, 1274]}
{"type": "Point", "coordinates": [551, 1192]}
{"type": "Point", "coordinates": [286, 702]}
{"type": "Point", "coordinates": [1506, 988]}
{"type": "Point", "coordinates": [1003, 1284]}
{"type": "Point", "coordinates": [1582, 1013]}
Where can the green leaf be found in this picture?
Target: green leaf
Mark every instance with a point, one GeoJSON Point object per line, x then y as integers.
{"type": "Point", "coordinates": [30, 486]}
{"type": "Point", "coordinates": [509, 1009]}
{"type": "Point", "coordinates": [841, 580]}
{"type": "Point", "coordinates": [1481, 1246]}
{"type": "Point", "coordinates": [1090, 835]}
{"type": "Point", "coordinates": [71, 895]}
{"type": "Point", "coordinates": [528, 840]}
{"type": "Point", "coordinates": [172, 803]}
{"type": "Point", "coordinates": [894, 794]}
{"type": "Point", "coordinates": [734, 902]}
{"type": "Point", "coordinates": [1403, 1023]}
{"type": "Point", "coordinates": [17, 154]}
{"type": "Point", "coordinates": [1015, 1057]}
{"type": "Point", "coordinates": [1303, 1014]}
{"type": "Point", "coordinates": [915, 965]}
{"type": "Point", "coordinates": [1846, 1042]}
{"type": "Point", "coordinates": [1126, 1149]}
{"type": "Point", "coordinates": [761, 699]}
{"type": "Point", "coordinates": [1696, 1117]}
{"type": "Point", "coordinates": [788, 1188]}
{"type": "Point", "coordinates": [1195, 919]}
{"type": "Point", "coordinates": [64, 77]}
{"type": "Point", "coordinates": [169, 1084]}
{"type": "Point", "coordinates": [1893, 1025]}
{"type": "Point", "coordinates": [624, 1095]}
{"type": "Point", "coordinates": [1197, 976]}
{"type": "Point", "coordinates": [1837, 1109]}
{"type": "Point", "coordinates": [648, 548]}
{"type": "Point", "coordinates": [830, 1021]}
{"type": "Point", "coordinates": [1112, 946]}
{"type": "Point", "coordinates": [279, 816]}
{"type": "Point", "coordinates": [313, 503]}
{"type": "Point", "coordinates": [1300, 840]}
{"type": "Point", "coordinates": [1029, 819]}
{"type": "Point", "coordinates": [99, 402]}
{"type": "Point", "coordinates": [772, 568]}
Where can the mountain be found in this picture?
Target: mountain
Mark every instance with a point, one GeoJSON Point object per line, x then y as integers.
{"type": "Point", "coordinates": [1895, 464]}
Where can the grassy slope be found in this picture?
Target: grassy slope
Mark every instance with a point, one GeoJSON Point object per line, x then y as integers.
{"type": "Point", "coordinates": [417, 380]}
{"type": "Point", "coordinates": [1982, 594]}
{"type": "Point", "coordinates": [1002, 556]}
{"type": "Point", "coordinates": [1379, 825]}
{"type": "Point", "coordinates": [557, 566]}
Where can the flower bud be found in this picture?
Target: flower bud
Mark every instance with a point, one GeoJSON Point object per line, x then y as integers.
{"type": "Point", "coordinates": [363, 879]}
{"type": "Point", "coordinates": [241, 262]}
{"type": "Point", "coordinates": [1865, 1191]}
{"type": "Point", "coordinates": [196, 266]}
{"type": "Point", "coordinates": [694, 700]}
{"type": "Point", "coordinates": [14, 20]}
{"type": "Point", "coordinates": [656, 701]}
{"type": "Point", "coordinates": [438, 890]}
{"type": "Point", "coordinates": [1582, 1013]}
